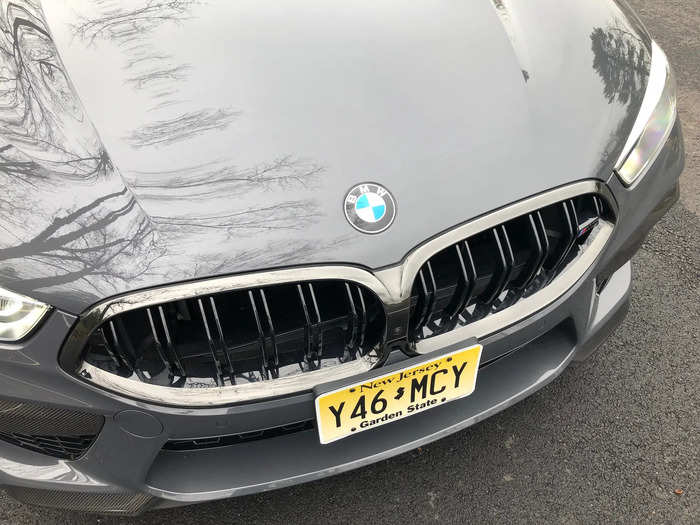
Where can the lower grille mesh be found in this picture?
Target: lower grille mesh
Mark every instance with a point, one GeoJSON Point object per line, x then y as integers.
{"type": "Point", "coordinates": [63, 447]}
{"type": "Point", "coordinates": [63, 434]}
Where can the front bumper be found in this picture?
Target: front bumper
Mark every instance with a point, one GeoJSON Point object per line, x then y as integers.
{"type": "Point", "coordinates": [537, 350]}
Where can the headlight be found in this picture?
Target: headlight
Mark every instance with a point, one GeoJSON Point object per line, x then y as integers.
{"type": "Point", "coordinates": [18, 315]}
{"type": "Point", "coordinates": [654, 123]}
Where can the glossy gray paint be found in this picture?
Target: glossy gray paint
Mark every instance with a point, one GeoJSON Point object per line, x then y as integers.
{"type": "Point", "coordinates": [77, 228]}
{"type": "Point", "coordinates": [569, 329]}
{"type": "Point", "coordinates": [185, 139]}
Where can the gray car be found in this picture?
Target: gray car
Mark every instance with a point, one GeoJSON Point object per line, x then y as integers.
{"type": "Point", "coordinates": [247, 244]}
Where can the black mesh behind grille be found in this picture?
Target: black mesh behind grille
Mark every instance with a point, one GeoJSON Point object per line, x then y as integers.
{"type": "Point", "coordinates": [242, 336]}
{"type": "Point", "coordinates": [63, 434]}
{"type": "Point", "coordinates": [494, 269]}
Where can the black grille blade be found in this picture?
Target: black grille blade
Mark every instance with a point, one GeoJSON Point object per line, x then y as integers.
{"type": "Point", "coordinates": [127, 344]}
{"type": "Point", "coordinates": [505, 259]}
{"type": "Point", "coordinates": [543, 249]}
{"type": "Point", "coordinates": [466, 285]}
{"type": "Point", "coordinates": [362, 314]}
{"type": "Point", "coordinates": [308, 336]}
{"type": "Point", "coordinates": [273, 339]}
{"type": "Point", "coordinates": [157, 344]}
{"type": "Point", "coordinates": [316, 332]}
{"type": "Point", "coordinates": [123, 356]}
{"type": "Point", "coordinates": [510, 260]}
{"type": "Point", "coordinates": [172, 351]}
{"type": "Point", "coordinates": [571, 231]}
{"type": "Point", "coordinates": [222, 340]}
{"type": "Point", "coordinates": [108, 347]}
{"type": "Point", "coordinates": [261, 337]}
{"type": "Point", "coordinates": [540, 253]}
{"type": "Point", "coordinates": [427, 289]}
{"type": "Point", "coordinates": [433, 292]}
{"type": "Point", "coordinates": [351, 344]}
{"type": "Point", "coordinates": [540, 245]}
{"type": "Point", "coordinates": [219, 375]}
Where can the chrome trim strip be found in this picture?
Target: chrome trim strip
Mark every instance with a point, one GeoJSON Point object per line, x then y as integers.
{"type": "Point", "coordinates": [211, 397]}
{"type": "Point", "coordinates": [391, 285]}
{"type": "Point", "coordinates": [177, 292]}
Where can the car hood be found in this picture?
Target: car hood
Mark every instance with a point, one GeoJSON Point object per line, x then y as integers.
{"type": "Point", "coordinates": [151, 143]}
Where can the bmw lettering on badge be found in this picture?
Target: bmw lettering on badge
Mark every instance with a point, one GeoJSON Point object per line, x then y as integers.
{"type": "Point", "coordinates": [370, 207]}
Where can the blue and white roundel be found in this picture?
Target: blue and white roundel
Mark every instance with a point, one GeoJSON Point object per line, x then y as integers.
{"type": "Point", "coordinates": [370, 208]}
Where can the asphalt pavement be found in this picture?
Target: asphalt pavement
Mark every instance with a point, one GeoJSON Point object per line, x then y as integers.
{"type": "Point", "coordinates": [616, 439]}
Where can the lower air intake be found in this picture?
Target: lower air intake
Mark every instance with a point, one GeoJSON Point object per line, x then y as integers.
{"type": "Point", "coordinates": [181, 445]}
{"type": "Point", "coordinates": [63, 434]}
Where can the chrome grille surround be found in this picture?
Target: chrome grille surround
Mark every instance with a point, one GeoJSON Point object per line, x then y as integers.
{"type": "Point", "coordinates": [391, 285]}
{"type": "Point", "coordinates": [500, 267]}
{"type": "Point", "coordinates": [241, 337]}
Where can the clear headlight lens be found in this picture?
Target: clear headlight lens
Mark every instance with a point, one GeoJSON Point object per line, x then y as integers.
{"type": "Point", "coordinates": [654, 123]}
{"type": "Point", "coordinates": [18, 315]}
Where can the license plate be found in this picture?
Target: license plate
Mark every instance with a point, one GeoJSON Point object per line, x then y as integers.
{"type": "Point", "coordinates": [396, 395]}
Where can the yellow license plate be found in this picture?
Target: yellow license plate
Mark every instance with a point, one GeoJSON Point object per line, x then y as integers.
{"type": "Point", "coordinates": [396, 395]}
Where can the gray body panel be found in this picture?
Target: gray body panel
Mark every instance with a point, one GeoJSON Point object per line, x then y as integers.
{"type": "Point", "coordinates": [221, 137]}
{"type": "Point", "coordinates": [457, 109]}
{"type": "Point", "coordinates": [535, 351]}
